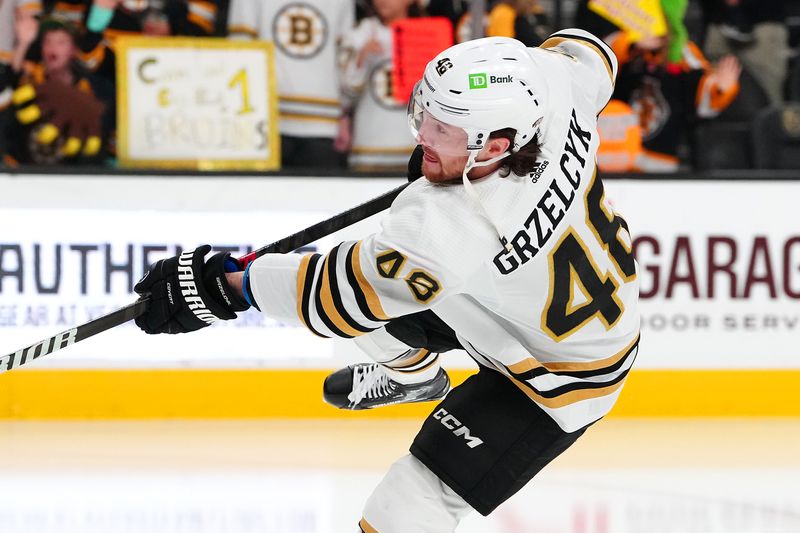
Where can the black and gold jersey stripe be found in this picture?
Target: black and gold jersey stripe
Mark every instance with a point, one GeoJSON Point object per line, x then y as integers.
{"type": "Point", "coordinates": [242, 29]}
{"type": "Point", "coordinates": [329, 299]}
{"type": "Point", "coordinates": [430, 361]}
{"type": "Point", "coordinates": [589, 41]}
{"type": "Point", "coordinates": [305, 283]}
{"type": "Point", "coordinates": [523, 374]}
{"type": "Point", "coordinates": [202, 14]}
{"type": "Point", "coordinates": [365, 527]}
{"type": "Point", "coordinates": [321, 310]}
{"type": "Point", "coordinates": [371, 298]}
{"type": "Point", "coordinates": [334, 298]}
{"type": "Point", "coordinates": [313, 100]}
{"type": "Point", "coordinates": [309, 108]}
{"type": "Point", "coordinates": [530, 368]}
{"type": "Point", "coordinates": [569, 397]}
{"type": "Point", "coordinates": [365, 305]}
{"type": "Point", "coordinates": [413, 361]}
{"type": "Point", "coordinates": [307, 117]}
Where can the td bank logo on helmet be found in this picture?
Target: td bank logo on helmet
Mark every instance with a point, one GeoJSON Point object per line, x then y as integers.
{"type": "Point", "coordinates": [481, 80]}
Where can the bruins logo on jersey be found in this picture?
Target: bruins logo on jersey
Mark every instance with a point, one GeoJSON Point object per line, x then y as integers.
{"type": "Point", "coordinates": [300, 30]}
{"type": "Point", "coordinates": [380, 86]}
{"type": "Point", "coordinates": [652, 107]}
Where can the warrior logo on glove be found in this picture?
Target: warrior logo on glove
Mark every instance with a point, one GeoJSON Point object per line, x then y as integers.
{"type": "Point", "coordinates": [189, 289]}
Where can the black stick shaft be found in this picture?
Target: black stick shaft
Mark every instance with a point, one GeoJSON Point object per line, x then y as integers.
{"type": "Point", "coordinates": [326, 227]}
{"type": "Point", "coordinates": [120, 316]}
{"type": "Point", "coordinates": [71, 336]}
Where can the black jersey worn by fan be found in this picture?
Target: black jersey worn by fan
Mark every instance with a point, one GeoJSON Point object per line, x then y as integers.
{"type": "Point", "coordinates": [668, 97]}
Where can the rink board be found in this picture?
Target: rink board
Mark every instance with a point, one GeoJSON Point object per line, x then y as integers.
{"type": "Point", "coordinates": [242, 394]}
{"type": "Point", "coordinates": [719, 273]}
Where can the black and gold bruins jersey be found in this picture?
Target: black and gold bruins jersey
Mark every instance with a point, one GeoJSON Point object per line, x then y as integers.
{"type": "Point", "coordinates": [667, 98]}
{"type": "Point", "coordinates": [306, 35]}
{"type": "Point", "coordinates": [556, 312]}
{"type": "Point", "coordinates": [189, 18]}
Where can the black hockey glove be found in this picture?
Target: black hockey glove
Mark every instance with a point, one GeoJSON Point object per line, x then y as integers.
{"type": "Point", "coordinates": [188, 293]}
{"type": "Point", "coordinates": [415, 164]}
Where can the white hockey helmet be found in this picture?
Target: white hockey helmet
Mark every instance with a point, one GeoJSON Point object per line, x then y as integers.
{"type": "Point", "coordinates": [479, 86]}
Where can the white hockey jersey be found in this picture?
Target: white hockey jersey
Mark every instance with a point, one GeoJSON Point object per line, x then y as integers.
{"type": "Point", "coordinates": [381, 137]}
{"type": "Point", "coordinates": [557, 314]}
{"type": "Point", "coordinates": [306, 35]}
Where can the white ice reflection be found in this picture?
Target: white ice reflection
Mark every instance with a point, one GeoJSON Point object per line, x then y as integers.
{"type": "Point", "coordinates": [329, 501]}
{"type": "Point", "coordinates": [624, 476]}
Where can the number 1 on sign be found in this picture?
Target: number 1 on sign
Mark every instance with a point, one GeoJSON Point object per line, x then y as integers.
{"type": "Point", "coordinates": [241, 79]}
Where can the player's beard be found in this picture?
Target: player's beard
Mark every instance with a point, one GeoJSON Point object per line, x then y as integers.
{"type": "Point", "coordinates": [441, 169]}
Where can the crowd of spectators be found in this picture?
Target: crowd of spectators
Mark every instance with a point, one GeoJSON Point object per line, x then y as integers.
{"type": "Point", "coordinates": [57, 71]}
{"type": "Point", "coordinates": [692, 96]}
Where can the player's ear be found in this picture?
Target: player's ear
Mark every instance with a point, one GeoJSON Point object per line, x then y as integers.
{"type": "Point", "coordinates": [497, 146]}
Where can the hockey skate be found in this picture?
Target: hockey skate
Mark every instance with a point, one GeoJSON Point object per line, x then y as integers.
{"type": "Point", "coordinates": [366, 386]}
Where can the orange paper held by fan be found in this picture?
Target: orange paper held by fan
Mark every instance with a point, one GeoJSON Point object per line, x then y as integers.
{"type": "Point", "coordinates": [416, 41]}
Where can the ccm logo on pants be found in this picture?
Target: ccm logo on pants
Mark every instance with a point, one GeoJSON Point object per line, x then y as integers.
{"type": "Point", "coordinates": [458, 429]}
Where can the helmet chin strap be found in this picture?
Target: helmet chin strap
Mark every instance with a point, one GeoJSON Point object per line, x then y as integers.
{"type": "Point", "coordinates": [471, 163]}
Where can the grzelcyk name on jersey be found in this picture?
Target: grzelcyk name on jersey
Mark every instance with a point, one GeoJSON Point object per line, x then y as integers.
{"type": "Point", "coordinates": [47, 346]}
{"type": "Point", "coordinates": [457, 428]}
{"type": "Point", "coordinates": [189, 289]}
{"type": "Point", "coordinates": [552, 207]}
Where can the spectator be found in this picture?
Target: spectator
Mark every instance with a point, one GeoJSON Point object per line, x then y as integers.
{"type": "Point", "coordinates": [524, 20]}
{"type": "Point", "coordinates": [58, 117]}
{"type": "Point", "coordinates": [9, 11]}
{"type": "Point", "coordinates": [756, 33]}
{"type": "Point", "coordinates": [463, 29]}
{"type": "Point", "coordinates": [457, 11]}
{"type": "Point", "coordinates": [363, 10]}
{"type": "Point", "coordinates": [451, 9]}
{"type": "Point", "coordinates": [307, 37]}
{"type": "Point", "coordinates": [668, 83]}
{"type": "Point", "coordinates": [373, 127]}
{"type": "Point", "coordinates": [588, 20]}
{"type": "Point", "coordinates": [620, 138]}
{"type": "Point", "coordinates": [105, 20]}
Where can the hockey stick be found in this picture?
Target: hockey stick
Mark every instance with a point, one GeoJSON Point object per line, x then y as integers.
{"type": "Point", "coordinates": [120, 316]}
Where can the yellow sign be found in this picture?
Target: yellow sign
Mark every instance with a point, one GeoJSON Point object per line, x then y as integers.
{"type": "Point", "coordinates": [640, 18]}
{"type": "Point", "coordinates": [196, 103]}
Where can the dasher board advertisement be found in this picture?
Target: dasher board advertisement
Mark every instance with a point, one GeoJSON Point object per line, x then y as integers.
{"type": "Point", "coordinates": [718, 266]}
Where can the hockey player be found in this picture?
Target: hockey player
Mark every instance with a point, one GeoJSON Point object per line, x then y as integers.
{"type": "Point", "coordinates": [507, 248]}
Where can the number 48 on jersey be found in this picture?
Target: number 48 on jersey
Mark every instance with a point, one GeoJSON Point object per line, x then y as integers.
{"type": "Point", "coordinates": [572, 267]}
